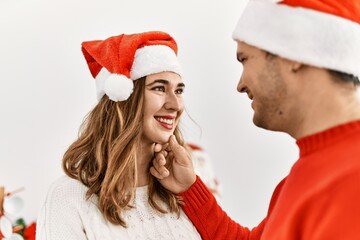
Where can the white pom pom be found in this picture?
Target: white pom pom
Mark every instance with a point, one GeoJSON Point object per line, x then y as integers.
{"type": "Point", "coordinates": [118, 87]}
{"type": "Point", "coordinates": [13, 205]}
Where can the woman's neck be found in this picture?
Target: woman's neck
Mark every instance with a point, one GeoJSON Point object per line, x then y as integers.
{"type": "Point", "coordinates": [144, 158]}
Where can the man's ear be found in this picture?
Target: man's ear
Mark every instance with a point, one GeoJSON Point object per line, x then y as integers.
{"type": "Point", "coordinates": [295, 66]}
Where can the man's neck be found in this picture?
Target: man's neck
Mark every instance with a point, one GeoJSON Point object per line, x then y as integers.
{"type": "Point", "coordinates": [329, 111]}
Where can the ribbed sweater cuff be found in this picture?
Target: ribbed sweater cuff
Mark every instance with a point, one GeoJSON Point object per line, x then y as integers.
{"type": "Point", "coordinates": [197, 195]}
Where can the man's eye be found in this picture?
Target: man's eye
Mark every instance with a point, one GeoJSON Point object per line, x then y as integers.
{"type": "Point", "coordinates": [242, 60]}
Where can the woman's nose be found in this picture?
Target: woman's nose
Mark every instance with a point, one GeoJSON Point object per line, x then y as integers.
{"type": "Point", "coordinates": [173, 102]}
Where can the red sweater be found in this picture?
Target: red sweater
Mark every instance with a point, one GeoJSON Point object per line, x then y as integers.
{"type": "Point", "coordinates": [318, 200]}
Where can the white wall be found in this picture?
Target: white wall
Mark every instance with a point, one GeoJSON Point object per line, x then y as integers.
{"type": "Point", "coordinates": [46, 90]}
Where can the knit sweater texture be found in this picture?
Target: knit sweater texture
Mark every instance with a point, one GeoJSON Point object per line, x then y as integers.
{"type": "Point", "coordinates": [318, 200]}
{"type": "Point", "coordinates": [67, 215]}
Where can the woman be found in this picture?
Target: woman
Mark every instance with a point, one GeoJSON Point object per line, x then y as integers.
{"type": "Point", "coordinates": [108, 192]}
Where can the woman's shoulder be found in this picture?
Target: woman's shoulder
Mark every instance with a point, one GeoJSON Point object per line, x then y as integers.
{"type": "Point", "coordinates": [64, 210]}
{"type": "Point", "coordinates": [66, 188]}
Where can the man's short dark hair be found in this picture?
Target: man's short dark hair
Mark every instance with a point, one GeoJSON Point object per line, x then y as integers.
{"type": "Point", "coordinates": [344, 77]}
{"type": "Point", "coordinates": [341, 77]}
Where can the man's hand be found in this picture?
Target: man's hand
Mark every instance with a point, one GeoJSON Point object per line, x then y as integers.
{"type": "Point", "coordinates": [172, 166]}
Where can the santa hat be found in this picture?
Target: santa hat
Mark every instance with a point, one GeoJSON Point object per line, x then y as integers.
{"type": "Point", "coordinates": [322, 33]}
{"type": "Point", "coordinates": [116, 61]}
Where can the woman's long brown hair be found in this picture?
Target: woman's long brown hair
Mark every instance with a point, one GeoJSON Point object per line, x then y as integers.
{"type": "Point", "coordinates": [103, 157]}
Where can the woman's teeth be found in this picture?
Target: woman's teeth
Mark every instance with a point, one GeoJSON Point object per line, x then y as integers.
{"type": "Point", "coordinates": [164, 120]}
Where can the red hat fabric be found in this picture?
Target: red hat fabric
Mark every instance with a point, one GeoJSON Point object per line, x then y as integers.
{"type": "Point", "coordinates": [348, 9]}
{"type": "Point", "coordinates": [322, 33]}
{"type": "Point", "coordinates": [116, 61]}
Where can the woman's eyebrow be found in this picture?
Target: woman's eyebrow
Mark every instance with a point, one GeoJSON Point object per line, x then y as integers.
{"type": "Point", "coordinates": [166, 82]}
{"type": "Point", "coordinates": [158, 81]}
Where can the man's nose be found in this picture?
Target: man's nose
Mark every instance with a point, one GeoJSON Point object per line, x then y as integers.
{"type": "Point", "coordinates": [241, 86]}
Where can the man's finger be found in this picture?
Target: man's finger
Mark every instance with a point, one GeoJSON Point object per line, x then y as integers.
{"type": "Point", "coordinates": [176, 148]}
{"type": "Point", "coordinates": [158, 147]}
{"type": "Point", "coordinates": [156, 174]}
{"type": "Point", "coordinates": [159, 164]}
{"type": "Point", "coordinates": [162, 171]}
{"type": "Point", "coordinates": [159, 161]}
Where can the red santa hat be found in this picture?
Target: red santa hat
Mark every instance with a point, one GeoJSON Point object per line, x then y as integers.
{"type": "Point", "coordinates": [322, 33]}
{"type": "Point", "coordinates": [119, 60]}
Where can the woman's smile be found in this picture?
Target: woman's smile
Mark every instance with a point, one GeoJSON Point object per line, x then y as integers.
{"type": "Point", "coordinates": [166, 121]}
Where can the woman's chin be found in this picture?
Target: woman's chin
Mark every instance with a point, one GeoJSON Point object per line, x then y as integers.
{"type": "Point", "coordinates": [163, 139]}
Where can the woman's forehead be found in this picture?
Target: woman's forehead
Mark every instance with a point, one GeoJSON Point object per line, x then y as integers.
{"type": "Point", "coordinates": [164, 77]}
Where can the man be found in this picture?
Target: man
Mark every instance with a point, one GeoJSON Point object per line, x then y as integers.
{"type": "Point", "coordinates": [301, 63]}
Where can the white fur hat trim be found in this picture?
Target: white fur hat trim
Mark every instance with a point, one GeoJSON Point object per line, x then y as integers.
{"type": "Point", "coordinates": [300, 34]}
{"type": "Point", "coordinates": [154, 59]}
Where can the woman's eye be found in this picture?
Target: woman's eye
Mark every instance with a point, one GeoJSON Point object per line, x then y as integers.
{"type": "Point", "coordinates": [179, 91]}
{"type": "Point", "coordinates": [159, 88]}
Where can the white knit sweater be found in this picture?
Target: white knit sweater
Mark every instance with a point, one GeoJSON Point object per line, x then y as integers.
{"type": "Point", "coordinates": [67, 215]}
